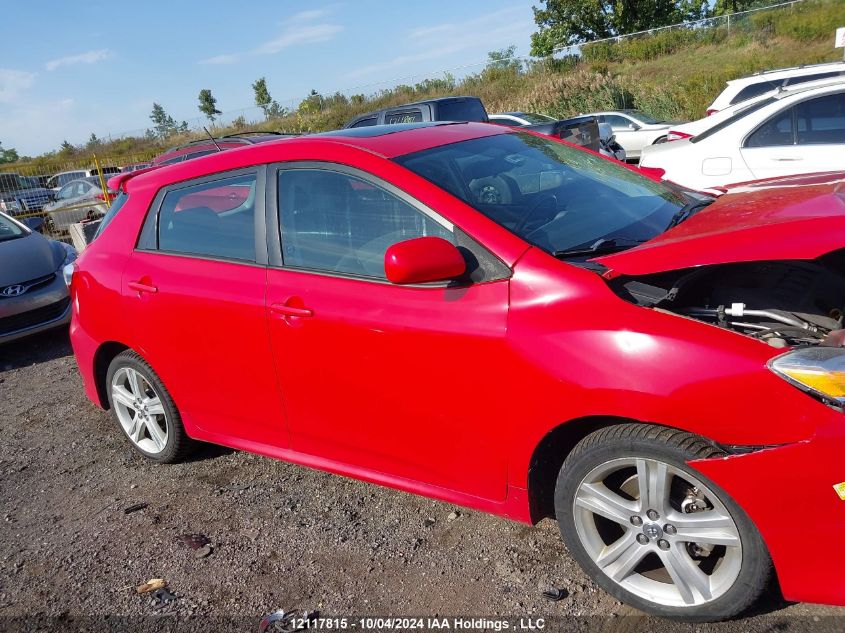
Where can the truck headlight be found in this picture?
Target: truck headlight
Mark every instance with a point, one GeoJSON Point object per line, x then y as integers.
{"type": "Point", "coordinates": [818, 370]}
{"type": "Point", "coordinates": [9, 205]}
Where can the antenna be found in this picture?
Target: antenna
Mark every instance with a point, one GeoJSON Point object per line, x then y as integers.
{"type": "Point", "coordinates": [212, 139]}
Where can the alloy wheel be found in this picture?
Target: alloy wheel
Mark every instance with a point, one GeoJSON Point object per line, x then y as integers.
{"type": "Point", "coordinates": [139, 410]}
{"type": "Point", "coordinates": [657, 531]}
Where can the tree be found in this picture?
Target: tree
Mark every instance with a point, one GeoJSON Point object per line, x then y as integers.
{"type": "Point", "coordinates": [568, 22]}
{"type": "Point", "coordinates": [164, 124]}
{"type": "Point", "coordinates": [262, 96]}
{"type": "Point", "coordinates": [66, 148]}
{"type": "Point", "coordinates": [208, 104]}
{"type": "Point", "coordinates": [8, 155]}
{"type": "Point", "coordinates": [93, 142]}
{"type": "Point", "coordinates": [723, 7]}
{"type": "Point", "coordinates": [504, 59]}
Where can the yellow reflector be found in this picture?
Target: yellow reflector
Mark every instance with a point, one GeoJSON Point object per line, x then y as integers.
{"type": "Point", "coordinates": [831, 384]}
{"type": "Point", "coordinates": [840, 490]}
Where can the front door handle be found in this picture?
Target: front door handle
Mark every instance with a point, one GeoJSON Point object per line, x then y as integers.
{"type": "Point", "coordinates": [785, 159]}
{"type": "Point", "coordinates": [290, 311]}
{"type": "Point", "coordinates": [138, 287]}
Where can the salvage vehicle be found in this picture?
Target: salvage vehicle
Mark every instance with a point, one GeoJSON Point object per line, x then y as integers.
{"type": "Point", "coordinates": [497, 319]}
{"type": "Point", "coordinates": [78, 200]}
{"type": "Point", "coordinates": [634, 129]}
{"type": "Point", "coordinates": [582, 130]}
{"type": "Point", "coordinates": [19, 196]}
{"type": "Point", "coordinates": [441, 109]}
{"type": "Point", "coordinates": [787, 133]}
{"type": "Point", "coordinates": [33, 293]}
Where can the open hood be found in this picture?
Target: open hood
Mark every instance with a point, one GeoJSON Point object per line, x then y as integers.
{"type": "Point", "coordinates": [800, 217]}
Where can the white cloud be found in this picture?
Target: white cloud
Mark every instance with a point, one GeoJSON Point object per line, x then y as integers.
{"type": "Point", "coordinates": [485, 33]}
{"type": "Point", "coordinates": [297, 29]}
{"type": "Point", "coordinates": [89, 57]}
{"type": "Point", "coordinates": [13, 83]}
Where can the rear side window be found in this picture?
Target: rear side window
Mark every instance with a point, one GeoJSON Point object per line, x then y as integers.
{"type": "Point", "coordinates": [461, 110]}
{"type": "Point", "coordinates": [365, 122]}
{"type": "Point", "coordinates": [338, 223]}
{"type": "Point", "coordinates": [405, 116]}
{"type": "Point", "coordinates": [821, 120]}
{"type": "Point", "coordinates": [213, 219]}
{"type": "Point", "coordinates": [775, 132]}
{"type": "Point", "coordinates": [755, 90]}
{"type": "Point", "coordinates": [171, 161]}
{"type": "Point", "coordinates": [114, 209]}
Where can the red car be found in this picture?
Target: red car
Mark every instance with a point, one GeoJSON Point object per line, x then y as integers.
{"type": "Point", "coordinates": [498, 319]}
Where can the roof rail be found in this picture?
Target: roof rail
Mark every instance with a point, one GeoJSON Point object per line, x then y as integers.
{"type": "Point", "coordinates": [778, 70]}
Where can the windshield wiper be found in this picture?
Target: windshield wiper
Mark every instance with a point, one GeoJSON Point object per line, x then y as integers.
{"type": "Point", "coordinates": [688, 210]}
{"type": "Point", "coordinates": [601, 246]}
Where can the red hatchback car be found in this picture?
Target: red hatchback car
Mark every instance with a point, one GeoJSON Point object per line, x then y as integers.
{"type": "Point", "coordinates": [504, 321]}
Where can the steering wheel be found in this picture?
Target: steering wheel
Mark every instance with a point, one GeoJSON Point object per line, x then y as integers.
{"type": "Point", "coordinates": [533, 209]}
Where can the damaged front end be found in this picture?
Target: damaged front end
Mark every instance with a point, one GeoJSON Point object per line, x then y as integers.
{"type": "Point", "coordinates": [781, 303]}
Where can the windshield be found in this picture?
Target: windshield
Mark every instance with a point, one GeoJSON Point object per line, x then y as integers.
{"type": "Point", "coordinates": [642, 116]}
{"type": "Point", "coordinates": [552, 195]}
{"type": "Point", "coordinates": [10, 230]}
{"type": "Point", "coordinates": [13, 182]}
{"type": "Point", "coordinates": [536, 118]}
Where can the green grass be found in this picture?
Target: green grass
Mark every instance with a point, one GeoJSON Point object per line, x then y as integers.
{"type": "Point", "coordinates": [673, 74]}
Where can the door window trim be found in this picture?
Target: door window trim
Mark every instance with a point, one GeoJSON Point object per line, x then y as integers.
{"type": "Point", "coordinates": [148, 237]}
{"type": "Point", "coordinates": [274, 228]}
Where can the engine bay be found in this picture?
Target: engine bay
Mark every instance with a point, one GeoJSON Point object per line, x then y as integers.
{"type": "Point", "coordinates": [782, 303]}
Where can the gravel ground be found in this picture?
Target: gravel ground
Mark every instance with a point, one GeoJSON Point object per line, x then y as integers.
{"type": "Point", "coordinates": [282, 536]}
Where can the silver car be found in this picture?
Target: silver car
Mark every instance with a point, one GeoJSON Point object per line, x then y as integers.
{"type": "Point", "coordinates": [78, 200]}
{"type": "Point", "coordinates": [33, 293]}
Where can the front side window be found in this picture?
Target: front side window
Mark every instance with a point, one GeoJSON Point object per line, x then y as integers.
{"type": "Point", "coordinates": [338, 223]}
{"type": "Point", "coordinates": [821, 120]}
{"type": "Point", "coordinates": [775, 132]}
{"type": "Point", "coordinates": [212, 219]}
{"type": "Point", "coordinates": [552, 195]}
{"type": "Point", "coordinates": [617, 122]}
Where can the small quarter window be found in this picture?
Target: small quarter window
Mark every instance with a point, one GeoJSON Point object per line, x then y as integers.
{"type": "Point", "coordinates": [213, 219]}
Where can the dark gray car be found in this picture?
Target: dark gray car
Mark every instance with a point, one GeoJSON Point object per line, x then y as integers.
{"type": "Point", "coordinates": [33, 294]}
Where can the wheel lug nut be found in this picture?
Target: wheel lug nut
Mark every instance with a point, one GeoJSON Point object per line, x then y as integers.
{"type": "Point", "coordinates": [653, 515]}
{"type": "Point", "coordinates": [670, 529]}
{"type": "Point", "coordinates": [663, 544]}
{"type": "Point", "coordinates": [635, 520]}
{"type": "Point", "coordinates": [642, 539]}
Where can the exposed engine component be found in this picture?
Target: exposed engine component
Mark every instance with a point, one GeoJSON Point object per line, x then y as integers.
{"type": "Point", "coordinates": [779, 302]}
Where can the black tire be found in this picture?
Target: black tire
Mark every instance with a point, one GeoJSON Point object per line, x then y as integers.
{"type": "Point", "coordinates": [178, 445]}
{"type": "Point", "coordinates": [675, 448]}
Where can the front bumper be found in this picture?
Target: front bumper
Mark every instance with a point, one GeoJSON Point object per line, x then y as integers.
{"type": "Point", "coordinates": [37, 310]}
{"type": "Point", "coordinates": [788, 492]}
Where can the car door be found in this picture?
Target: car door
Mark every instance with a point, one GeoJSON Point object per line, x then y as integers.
{"type": "Point", "coordinates": [194, 294]}
{"type": "Point", "coordinates": [626, 132]}
{"type": "Point", "coordinates": [398, 380]}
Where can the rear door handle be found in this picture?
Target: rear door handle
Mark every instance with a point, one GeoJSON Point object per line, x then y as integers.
{"type": "Point", "coordinates": [285, 310]}
{"type": "Point", "coordinates": [785, 159]}
{"type": "Point", "coordinates": [137, 286]}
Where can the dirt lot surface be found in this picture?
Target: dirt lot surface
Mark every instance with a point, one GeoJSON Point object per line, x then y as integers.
{"type": "Point", "coordinates": [282, 536]}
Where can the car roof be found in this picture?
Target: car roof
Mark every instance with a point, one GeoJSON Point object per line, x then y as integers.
{"type": "Point", "coordinates": [386, 141]}
{"type": "Point", "coordinates": [783, 73]}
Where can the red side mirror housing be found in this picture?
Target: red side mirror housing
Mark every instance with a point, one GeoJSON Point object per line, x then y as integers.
{"type": "Point", "coordinates": [423, 259]}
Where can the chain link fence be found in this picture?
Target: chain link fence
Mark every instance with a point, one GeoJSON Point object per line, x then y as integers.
{"type": "Point", "coordinates": [58, 197]}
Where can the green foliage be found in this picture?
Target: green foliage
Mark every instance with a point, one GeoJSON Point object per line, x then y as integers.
{"type": "Point", "coordinates": [164, 124]}
{"type": "Point", "coordinates": [504, 59]}
{"type": "Point", "coordinates": [93, 142]}
{"type": "Point", "coordinates": [262, 96]}
{"type": "Point", "coordinates": [208, 104]}
{"type": "Point", "coordinates": [66, 148]}
{"type": "Point", "coordinates": [312, 104]}
{"type": "Point", "coordinates": [8, 155]}
{"type": "Point", "coordinates": [567, 22]}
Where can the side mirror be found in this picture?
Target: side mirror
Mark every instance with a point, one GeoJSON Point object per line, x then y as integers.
{"type": "Point", "coordinates": [634, 127]}
{"type": "Point", "coordinates": [423, 259]}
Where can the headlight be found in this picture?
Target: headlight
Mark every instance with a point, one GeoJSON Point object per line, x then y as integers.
{"type": "Point", "coordinates": [819, 370]}
{"type": "Point", "coordinates": [67, 266]}
{"type": "Point", "coordinates": [9, 205]}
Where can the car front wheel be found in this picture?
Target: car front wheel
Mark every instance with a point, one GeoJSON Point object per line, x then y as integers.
{"type": "Point", "coordinates": [652, 531]}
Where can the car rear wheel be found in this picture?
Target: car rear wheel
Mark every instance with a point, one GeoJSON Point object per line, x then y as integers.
{"type": "Point", "coordinates": [145, 411]}
{"type": "Point", "coordinates": [652, 531]}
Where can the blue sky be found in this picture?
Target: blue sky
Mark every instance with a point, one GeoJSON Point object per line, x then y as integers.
{"type": "Point", "coordinates": [71, 68]}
